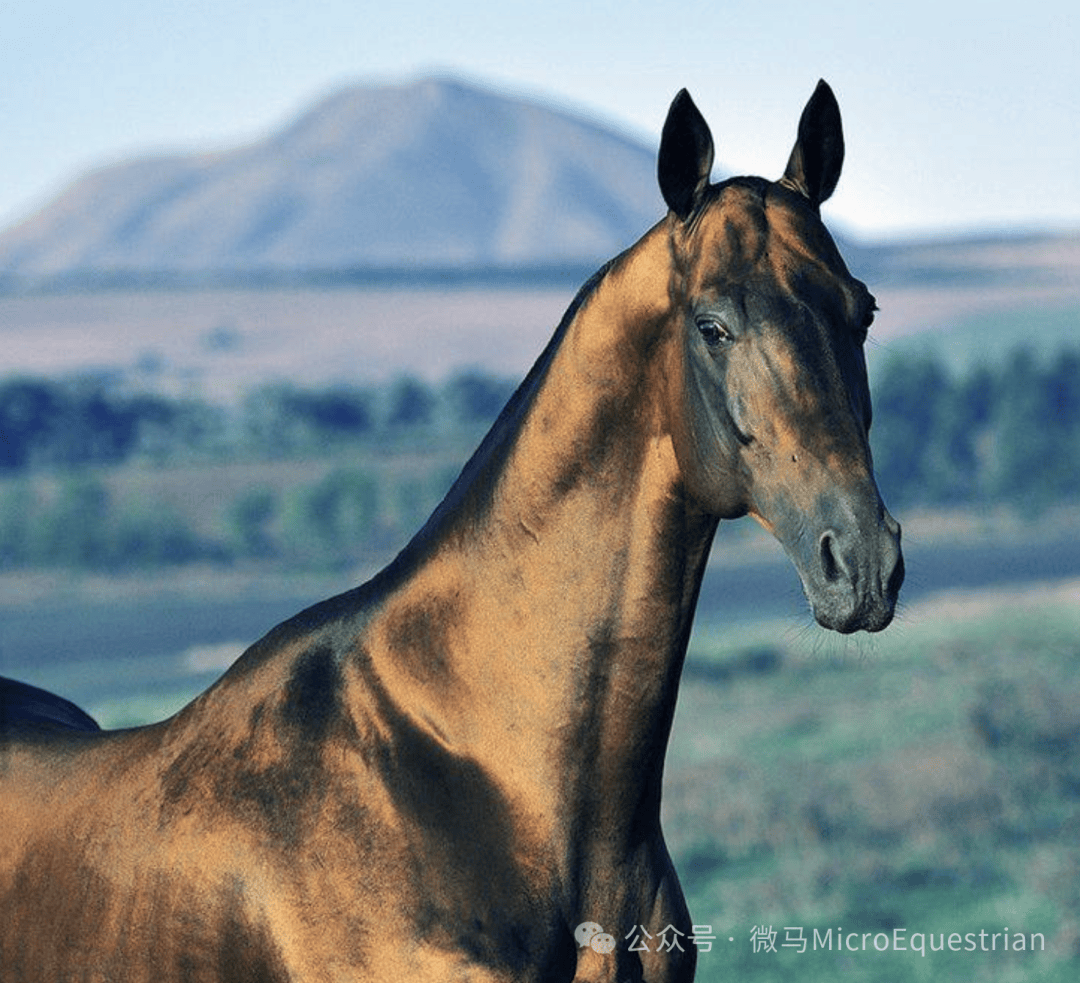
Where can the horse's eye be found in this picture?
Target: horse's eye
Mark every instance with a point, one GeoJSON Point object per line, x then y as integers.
{"type": "Point", "coordinates": [714, 332]}
{"type": "Point", "coordinates": [862, 332]}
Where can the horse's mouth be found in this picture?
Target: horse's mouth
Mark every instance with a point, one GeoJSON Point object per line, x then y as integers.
{"type": "Point", "coordinates": [870, 612]}
{"type": "Point", "coordinates": [855, 587]}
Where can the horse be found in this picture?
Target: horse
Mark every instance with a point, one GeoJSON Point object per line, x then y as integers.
{"type": "Point", "coordinates": [453, 771]}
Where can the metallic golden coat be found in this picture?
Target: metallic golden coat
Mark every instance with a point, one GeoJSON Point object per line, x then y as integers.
{"type": "Point", "coordinates": [440, 774]}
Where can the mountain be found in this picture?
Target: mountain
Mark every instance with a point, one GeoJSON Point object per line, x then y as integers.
{"type": "Point", "coordinates": [432, 174]}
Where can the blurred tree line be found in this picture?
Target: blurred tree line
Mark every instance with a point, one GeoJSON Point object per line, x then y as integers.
{"type": "Point", "coordinates": [1007, 433]}
{"type": "Point", "coordinates": [50, 423]}
{"type": "Point", "coordinates": [58, 440]}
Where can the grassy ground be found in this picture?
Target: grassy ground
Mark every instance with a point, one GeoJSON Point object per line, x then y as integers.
{"type": "Point", "coordinates": [926, 783]}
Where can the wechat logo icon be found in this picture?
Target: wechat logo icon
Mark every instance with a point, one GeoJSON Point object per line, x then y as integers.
{"type": "Point", "coordinates": [593, 935]}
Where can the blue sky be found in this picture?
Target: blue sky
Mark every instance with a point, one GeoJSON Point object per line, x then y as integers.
{"type": "Point", "coordinates": [958, 115]}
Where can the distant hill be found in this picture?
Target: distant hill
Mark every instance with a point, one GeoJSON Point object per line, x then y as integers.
{"type": "Point", "coordinates": [1012, 260]}
{"type": "Point", "coordinates": [435, 183]}
{"type": "Point", "coordinates": [431, 174]}
{"type": "Point", "coordinates": [435, 178]}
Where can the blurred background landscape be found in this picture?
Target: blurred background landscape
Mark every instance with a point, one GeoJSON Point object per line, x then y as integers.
{"type": "Point", "coordinates": [234, 382]}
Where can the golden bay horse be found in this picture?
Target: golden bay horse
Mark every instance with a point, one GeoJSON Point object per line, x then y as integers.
{"type": "Point", "coordinates": [453, 772]}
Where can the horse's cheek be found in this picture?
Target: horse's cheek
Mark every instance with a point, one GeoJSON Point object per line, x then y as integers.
{"type": "Point", "coordinates": [708, 460]}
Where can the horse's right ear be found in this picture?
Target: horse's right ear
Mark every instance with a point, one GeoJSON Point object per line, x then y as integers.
{"type": "Point", "coordinates": [686, 156]}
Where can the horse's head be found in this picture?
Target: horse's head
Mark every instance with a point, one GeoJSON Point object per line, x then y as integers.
{"type": "Point", "coordinates": [774, 412]}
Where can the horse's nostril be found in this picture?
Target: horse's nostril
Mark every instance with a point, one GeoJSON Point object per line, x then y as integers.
{"type": "Point", "coordinates": [831, 566]}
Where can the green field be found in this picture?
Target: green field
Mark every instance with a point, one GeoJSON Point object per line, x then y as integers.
{"type": "Point", "coordinates": [925, 783]}
{"type": "Point", "coordinates": [989, 337]}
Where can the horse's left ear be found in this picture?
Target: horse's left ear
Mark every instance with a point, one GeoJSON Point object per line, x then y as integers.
{"type": "Point", "coordinates": [815, 163]}
{"type": "Point", "coordinates": [686, 156]}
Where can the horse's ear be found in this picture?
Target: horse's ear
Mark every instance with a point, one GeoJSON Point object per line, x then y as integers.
{"type": "Point", "coordinates": [815, 163]}
{"type": "Point", "coordinates": [686, 156]}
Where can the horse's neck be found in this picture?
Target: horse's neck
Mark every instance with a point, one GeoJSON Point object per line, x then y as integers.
{"type": "Point", "coordinates": [544, 619]}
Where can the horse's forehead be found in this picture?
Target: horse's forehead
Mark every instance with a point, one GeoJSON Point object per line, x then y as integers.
{"type": "Point", "coordinates": [765, 234]}
{"type": "Point", "coordinates": [731, 236]}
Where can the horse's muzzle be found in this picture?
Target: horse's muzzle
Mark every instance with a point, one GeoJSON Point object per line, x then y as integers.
{"type": "Point", "coordinates": [854, 579]}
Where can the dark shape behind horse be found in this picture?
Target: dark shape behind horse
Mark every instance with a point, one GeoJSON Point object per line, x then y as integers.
{"type": "Point", "coordinates": [445, 772]}
{"type": "Point", "coordinates": [23, 706]}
